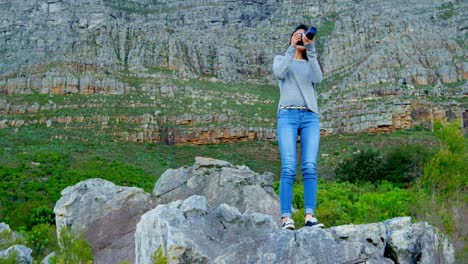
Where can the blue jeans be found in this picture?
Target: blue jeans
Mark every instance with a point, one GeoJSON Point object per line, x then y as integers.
{"type": "Point", "coordinates": [307, 125]}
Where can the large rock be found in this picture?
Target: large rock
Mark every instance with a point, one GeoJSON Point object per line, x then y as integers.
{"type": "Point", "coordinates": [191, 231]}
{"type": "Point", "coordinates": [417, 243]}
{"type": "Point", "coordinates": [106, 213]}
{"type": "Point", "coordinates": [23, 254]}
{"type": "Point", "coordinates": [7, 235]}
{"type": "Point", "coordinates": [8, 239]}
{"type": "Point", "coordinates": [220, 182]}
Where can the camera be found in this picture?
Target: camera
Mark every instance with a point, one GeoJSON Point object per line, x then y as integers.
{"type": "Point", "coordinates": [310, 34]}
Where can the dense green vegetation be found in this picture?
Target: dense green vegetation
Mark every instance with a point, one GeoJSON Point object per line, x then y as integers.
{"type": "Point", "coordinates": [341, 203]}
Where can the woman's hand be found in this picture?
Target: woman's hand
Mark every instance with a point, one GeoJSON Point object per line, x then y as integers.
{"type": "Point", "coordinates": [296, 37]}
{"type": "Point", "coordinates": [306, 40]}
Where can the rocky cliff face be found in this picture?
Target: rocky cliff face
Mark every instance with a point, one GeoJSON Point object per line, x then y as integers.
{"type": "Point", "coordinates": [380, 59]}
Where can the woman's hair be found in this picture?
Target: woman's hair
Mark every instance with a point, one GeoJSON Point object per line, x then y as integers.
{"type": "Point", "coordinates": [305, 28]}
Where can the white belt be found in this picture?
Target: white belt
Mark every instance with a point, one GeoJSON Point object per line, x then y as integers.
{"type": "Point", "coordinates": [294, 107]}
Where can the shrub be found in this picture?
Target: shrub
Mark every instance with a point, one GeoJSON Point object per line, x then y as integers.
{"type": "Point", "coordinates": [41, 239]}
{"type": "Point", "coordinates": [43, 215]}
{"type": "Point", "coordinates": [341, 203]}
{"type": "Point", "coordinates": [298, 217]}
{"type": "Point", "coordinates": [74, 248]}
{"type": "Point", "coordinates": [379, 206]}
{"type": "Point", "coordinates": [405, 163]}
{"type": "Point", "coordinates": [439, 195]}
{"type": "Point", "coordinates": [298, 196]}
{"type": "Point", "coordinates": [363, 166]}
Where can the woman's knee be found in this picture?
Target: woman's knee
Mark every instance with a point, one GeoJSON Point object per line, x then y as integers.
{"type": "Point", "coordinates": [309, 170]}
{"type": "Point", "coordinates": [288, 170]}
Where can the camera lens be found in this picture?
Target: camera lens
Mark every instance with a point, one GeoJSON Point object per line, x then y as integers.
{"type": "Point", "coordinates": [310, 34]}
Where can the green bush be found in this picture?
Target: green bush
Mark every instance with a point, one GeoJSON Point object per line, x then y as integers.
{"type": "Point", "coordinates": [298, 217]}
{"type": "Point", "coordinates": [405, 163]}
{"type": "Point", "coordinates": [43, 215]}
{"type": "Point", "coordinates": [42, 240]}
{"type": "Point", "coordinates": [376, 207]}
{"type": "Point", "coordinates": [361, 167]}
{"type": "Point", "coordinates": [341, 203]}
{"type": "Point", "coordinates": [74, 248]}
{"type": "Point", "coordinates": [440, 195]}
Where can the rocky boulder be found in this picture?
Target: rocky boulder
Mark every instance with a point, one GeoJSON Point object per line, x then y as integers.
{"type": "Point", "coordinates": [23, 254]}
{"type": "Point", "coordinates": [190, 231]}
{"type": "Point", "coordinates": [106, 213]}
{"type": "Point", "coordinates": [7, 235]}
{"type": "Point", "coordinates": [7, 240]}
{"type": "Point", "coordinates": [220, 182]}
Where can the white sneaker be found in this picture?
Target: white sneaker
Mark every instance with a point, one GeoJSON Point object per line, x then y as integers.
{"type": "Point", "coordinates": [289, 224]}
{"type": "Point", "coordinates": [313, 222]}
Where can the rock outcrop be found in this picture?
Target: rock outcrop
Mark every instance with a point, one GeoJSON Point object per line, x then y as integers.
{"type": "Point", "coordinates": [107, 214]}
{"type": "Point", "coordinates": [190, 231]}
{"type": "Point", "coordinates": [220, 182]}
{"type": "Point", "coordinates": [8, 237]}
{"type": "Point", "coordinates": [23, 254]}
{"type": "Point", "coordinates": [215, 212]}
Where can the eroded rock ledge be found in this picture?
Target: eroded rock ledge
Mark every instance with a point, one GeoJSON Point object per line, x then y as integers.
{"type": "Point", "coordinates": [189, 231]}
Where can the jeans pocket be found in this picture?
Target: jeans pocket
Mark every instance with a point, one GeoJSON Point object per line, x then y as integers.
{"type": "Point", "coordinates": [282, 112]}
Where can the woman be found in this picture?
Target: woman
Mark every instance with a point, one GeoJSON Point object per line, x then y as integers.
{"type": "Point", "coordinates": [298, 72]}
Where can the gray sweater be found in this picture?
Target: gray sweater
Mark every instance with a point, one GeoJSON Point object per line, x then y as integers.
{"type": "Point", "coordinates": [298, 78]}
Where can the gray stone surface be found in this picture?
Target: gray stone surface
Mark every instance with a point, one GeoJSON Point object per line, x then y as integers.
{"type": "Point", "coordinates": [47, 259]}
{"type": "Point", "coordinates": [417, 243]}
{"type": "Point", "coordinates": [220, 182]}
{"type": "Point", "coordinates": [5, 229]}
{"type": "Point", "coordinates": [222, 234]}
{"type": "Point", "coordinates": [23, 254]}
{"type": "Point", "coordinates": [106, 213]}
{"type": "Point", "coordinates": [200, 237]}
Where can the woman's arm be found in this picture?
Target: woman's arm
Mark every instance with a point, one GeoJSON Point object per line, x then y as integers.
{"type": "Point", "coordinates": [317, 75]}
{"type": "Point", "coordinates": [281, 63]}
